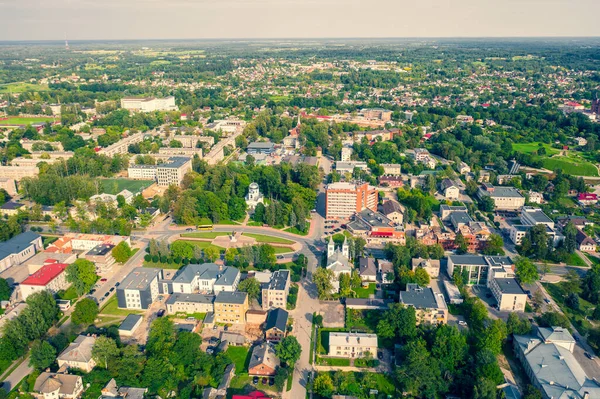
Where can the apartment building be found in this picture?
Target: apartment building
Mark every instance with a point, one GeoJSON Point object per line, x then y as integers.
{"type": "Point", "coordinates": [142, 172]}
{"type": "Point", "coordinates": [477, 268]}
{"type": "Point", "coordinates": [345, 199]}
{"type": "Point", "coordinates": [349, 166]}
{"type": "Point", "coordinates": [173, 171]}
{"type": "Point", "coordinates": [377, 113]}
{"type": "Point", "coordinates": [430, 306]}
{"type": "Point", "coordinates": [8, 185]}
{"type": "Point", "coordinates": [276, 325]}
{"type": "Point", "coordinates": [505, 198]}
{"type": "Point", "coordinates": [18, 172]}
{"type": "Point", "coordinates": [531, 216]}
{"type": "Point", "coordinates": [206, 278]}
{"type": "Point", "coordinates": [149, 104]}
{"type": "Point", "coordinates": [346, 154]}
{"type": "Point", "coordinates": [275, 294]}
{"type": "Point", "coordinates": [190, 303]}
{"type": "Point", "coordinates": [122, 146]}
{"type": "Point", "coordinates": [391, 169]}
{"type": "Point", "coordinates": [50, 277]}
{"type": "Point", "coordinates": [257, 147]}
{"type": "Point", "coordinates": [231, 307]}
{"type": "Point", "coordinates": [508, 294]}
{"type": "Point", "coordinates": [139, 289]}
{"type": "Point", "coordinates": [191, 141]}
{"type": "Point", "coordinates": [19, 249]}
{"type": "Point", "coordinates": [352, 345]}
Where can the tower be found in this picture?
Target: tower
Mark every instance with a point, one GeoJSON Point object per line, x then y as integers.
{"type": "Point", "coordinates": [66, 42]}
{"type": "Point", "coordinates": [330, 248]}
{"type": "Point", "coordinates": [346, 248]}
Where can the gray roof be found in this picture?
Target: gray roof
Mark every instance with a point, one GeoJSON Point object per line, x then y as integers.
{"type": "Point", "coordinates": [509, 286]}
{"type": "Point", "coordinates": [50, 382]}
{"type": "Point", "coordinates": [231, 297]}
{"type": "Point", "coordinates": [536, 214]}
{"type": "Point", "coordinates": [367, 266]}
{"type": "Point", "coordinates": [390, 207]}
{"type": "Point", "coordinates": [420, 298]}
{"type": "Point", "coordinates": [11, 205]}
{"type": "Point", "coordinates": [338, 262]}
{"type": "Point", "coordinates": [421, 262]}
{"type": "Point", "coordinates": [130, 322]}
{"type": "Point", "coordinates": [223, 275]}
{"type": "Point", "coordinates": [17, 243]}
{"type": "Point", "coordinates": [79, 350]}
{"type": "Point", "coordinates": [261, 145]}
{"type": "Point", "coordinates": [139, 278]}
{"type": "Point", "coordinates": [501, 191]}
{"type": "Point", "coordinates": [195, 298]}
{"type": "Point", "coordinates": [460, 217]}
{"type": "Point", "coordinates": [264, 354]}
{"type": "Point", "coordinates": [174, 162]}
{"type": "Point", "coordinates": [277, 318]}
{"type": "Point", "coordinates": [100, 250]}
{"type": "Point", "coordinates": [555, 334]}
{"type": "Point", "coordinates": [368, 303]}
{"type": "Point", "coordinates": [375, 219]}
{"type": "Point", "coordinates": [233, 338]}
{"type": "Point", "coordinates": [480, 260]}
{"type": "Point", "coordinates": [279, 280]}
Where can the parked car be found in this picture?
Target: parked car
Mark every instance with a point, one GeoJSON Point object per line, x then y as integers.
{"type": "Point", "coordinates": [589, 356]}
{"type": "Point", "coordinates": [264, 381]}
{"type": "Point", "coordinates": [117, 284]}
{"type": "Point", "coordinates": [112, 289]}
{"type": "Point", "coordinates": [547, 300]}
{"type": "Point", "coordinates": [380, 355]}
{"type": "Point", "coordinates": [160, 313]}
{"type": "Point", "coordinates": [255, 380]}
{"type": "Point", "coordinates": [462, 323]}
{"type": "Point", "coordinates": [103, 280]}
{"type": "Point", "coordinates": [107, 294]}
{"type": "Point", "coordinates": [189, 229]}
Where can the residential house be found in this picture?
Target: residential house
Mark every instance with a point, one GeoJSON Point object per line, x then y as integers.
{"type": "Point", "coordinates": [367, 269]}
{"type": "Point", "coordinates": [207, 278]}
{"type": "Point", "coordinates": [386, 272]}
{"type": "Point", "coordinates": [111, 390]}
{"type": "Point", "coordinates": [58, 386]}
{"type": "Point", "coordinates": [263, 360]}
{"type": "Point", "coordinates": [586, 199]}
{"type": "Point", "coordinates": [450, 190]}
{"type": "Point", "coordinates": [276, 325]}
{"type": "Point", "coordinates": [78, 354]}
{"type": "Point", "coordinates": [276, 292]}
{"type": "Point", "coordinates": [431, 266]}
{"type": "Point", "coordinates": [584, 242]}
{"type": "Point", "coordinates": [352, 345]}
{"type": "Point", "coordinates": [190, 303]}
{"type": "Point", "coordinates": [231, 307]}
{"type": "Point", "coordinates": [430, 306]}
{"type": "Point", "coordinates": [390, 181]}
{"type": "Point", "coordinates": [393, 211]}
{"type": "Point", "coordinates": [10, 208]}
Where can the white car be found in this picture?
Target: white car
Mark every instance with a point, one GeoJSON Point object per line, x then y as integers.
{"type": "Point", "coordinates": [462, 323]}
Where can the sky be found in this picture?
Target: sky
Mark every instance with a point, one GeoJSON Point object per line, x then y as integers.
{"type": "Point", "coordinates": [248, 19]}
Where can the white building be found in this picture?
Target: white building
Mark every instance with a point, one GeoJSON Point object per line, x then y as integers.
{"type": "Point", "coordinates": [254, 196]}
{"type": "Point", "coordinates": [346, 154]}
{"type": "Point", "coordinates": [149, 104]}
{"type": "Point", "coordinates": [337, 262]}
{"type": "Point", "coordinates": [352, 345]}
{"type": "Point", "coordinates": [51, 277]}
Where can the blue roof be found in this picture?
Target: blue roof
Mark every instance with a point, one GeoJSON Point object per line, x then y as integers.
{"type": "Point", "coordinates": [17, 243]}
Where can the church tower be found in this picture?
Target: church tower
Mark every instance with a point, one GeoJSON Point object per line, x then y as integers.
{"type": "Point", "coordinates": [330, 248]}
{"type": "Point", "coordinates": [346, 249]}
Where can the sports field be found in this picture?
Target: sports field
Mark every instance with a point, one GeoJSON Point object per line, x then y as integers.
{"type": "Point", "coordinates": [21, 87]}
{"type": "Point", "coordinates": [24, 121]}
{"type": "Point", "coordinates": [571, 166]}
{"type": "Point", "coordinates": [114, 186]}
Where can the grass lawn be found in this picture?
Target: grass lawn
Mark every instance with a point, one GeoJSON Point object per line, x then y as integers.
{"type": "Point", "coordinates": [336, 362]}
{"type": "Point", "coordinates": [575, 260]}
{"type": "Point", "coordinates": [261, 238]}
{"type": "Point", "coordinates": [160, 265]}
{"type": "Point", "coordinates": [362, 320]}
{"type": "Point", "coordinates": [111, 308]}
{"type": "Point", "coordinates": [363, 292]}
{"type": "Point", "coordinates": [283, 250]}
{"type": "Point", "coordinates": [24, 121]}
{"type": "Point", "coordinates": [240, 356]}
{"type": "Point", "coordinates": [366, 362]}
{"type": "Point", "coordinates": [21, 87]}
{"type": "Point", "coordinates": [208, 235]}
{"type": "Point", "coordinates": [68, 295]}
{"type": "Point", "coordinates": [295, 230]}
{"type": "Point", "coordinates": [242, 384]}
{"type": "Point", "coordinates": [47, 240]}
{"type": "Point", "coordinates": [595, 260]}
{"type": "Point", "coordinates": [104, 320]}
{"type": "Point", "coordinates": [203, 244]}
{"type": "Point", "coordinates": [529, 148]}
{"type": "Point", "coordinates": [197, 316]}
{"type": "Point", "coordinates": [254, 223]}
{"type": "Point", "coordinates": [577, 317]}
{"type": "Point", "coordinates": [571, 166]}
{"type": "Point", "coordinates": [114, 186]}
{"type": "Point", "coordinates": [567, 202]}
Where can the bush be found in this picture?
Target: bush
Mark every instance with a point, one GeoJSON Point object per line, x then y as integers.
{"type": "Point", "coordinates": [147, 257]}
{"type": "Point", "coordinates": [155, 258]}
{"type": "Point", "coordinates": [318, 320]}
{"type": "Point", "coordinates": [163, 259]}
{"type": "Point", "coordinates": [185, 261]}
{"type": "Point", "coordinates": [178, 260]}
{"type": "Point", "coordinates": [169, 260]}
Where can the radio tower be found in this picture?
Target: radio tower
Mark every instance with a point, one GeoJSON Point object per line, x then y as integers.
{"type": "Point", "coordinates": [66, 42]}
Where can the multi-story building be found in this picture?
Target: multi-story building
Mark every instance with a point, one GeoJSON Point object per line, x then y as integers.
{"type": "Point", "coordinates": [58, 386]}
{"type": "Point", "coordinates": [276, 325]}
{"type": "Point", "coordinates": [122, 146]}
{"type": "Point", "coordinates": [102, 257]}
{"type": "Point", "coordinates": [508, 293]}
{"type": "Point", "coordinates": [275, 294]}
{"type": "Point", "coordinates": [78, 354]}
{"type": "Point", "coordinates": [390, 181]}
{"type": "Point", "coordinates": [346, 154]}
{"type": "Point", "coordinates": [352, 345]}
{"type": "Point", "coordinates": [345, 199]}
{"type": "Point", "coordinates": [7, 184]}
{"type": "Point", "coordinates": [431, 266]}
{"type": "Point", "coordinates": [51, 277]}
{"type": "Point", "coordinates": [19, 248]}
{"type": "Point", "coordinates": [531, 216]}
{"type": "Point", "coordinates": [377, 113]}
{"type": "Point", "coordinates": [18, 172]}
{"type": "Point", "coordinates": [376, 227]}
{"type": "Point", "coordinates": [206, 278]}
{"type": "Point", "coordinates": [349, 166]}
{"type": "Point", "coordinates": [173, 171]}
{"type": "Point", "coordinates": [450, 190]}
{"type": "Point", "coordinates": [259, 147]}
{"type": "Point", "coordinates": [139, 289]}
{"type": "Point", "coordinates": [149, 104]}
{"type": "Point", "coordinates": [231, 307]}
{"type": "Point", "coordinates": [393, 211]}
{"type": "Point", "coordinates": [191, 141]}
{"type": "Point", "coordinates": [391, 169]}
{"type": "Point", "coordinates": [430, 306]}
{"type": "Point", "coordinates": [263, 360]}
{"type": "Point", "coordinates": [505, 198]}
{"type": "Point", "coordinates": [190, 303]}
{"type": "Point", "coordinates": [477, 268]}
{"type": "Point", "coordinates": [142, 172]}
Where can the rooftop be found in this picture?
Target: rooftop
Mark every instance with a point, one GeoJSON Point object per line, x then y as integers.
{"type": "Point", "coordinates": [46, 274]}
{"type": "Point", "coordinates": [175, 162]}
{"type": "Point", "coordinates": [223, 275]}
{"type": "Point", "coordinates": [480, 260]}
{"type": "Point", "coordinates": [279, 280]}
{"type": "Point", "coordinates": [100, 250]}
{"type": "Point", "coordinates": [277, 318]}
{"type": "Point", "coordinates": [17, 243]}
{"type": "Point", "coordinates": [139, 278]}
{"type": "Point", "coordinates": [500, 191]}
{"type": "Point", "coordinates": [509, 286]}
{"type": "Point", "coordinates": [130, 322]}
{"type": "Point", "coordinates": [535, 214]}
{"type": "Point", "coordinates": [374, 219]}
{"type": "Point", "coordinates": [195, 298]}
{"type": "Point", "coordinates": [231, 297]}
{"type": "Point", "coordinates": [420, 298]}
{"type": "Point", "coordinates": [352, 339]}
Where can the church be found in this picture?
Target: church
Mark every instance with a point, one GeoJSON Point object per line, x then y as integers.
{"type": "Point", "coordinates": [338, 261]}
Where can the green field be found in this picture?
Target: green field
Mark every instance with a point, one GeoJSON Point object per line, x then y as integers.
{"type": "Point", "coordinates": [239, 357]}
{"type": "Point", "coordinates": [335, 362]}
{"type": "Point", "coordinates": [283, 250]}
{"type": "Point", "coordinates": [365, 292]}
{"type": "Point", "coordinates": [571, 166]}
{"type": "Point", "coordinates": [203, 244]}
{"type": "Point", "coordinates": [24, 121]}
{"type": "Point", "coordinates": [112, 308]}
{"type": "Point", "coordinates": [208, 235]}
{"type": "Point", "coordinates": [114, 186]}
{"type": "Point", "coordinates": [261, 238]}
{"type": "Point", "coordinates": [22, 87]}
{"type": "Point", "coordinates": [529, 148]}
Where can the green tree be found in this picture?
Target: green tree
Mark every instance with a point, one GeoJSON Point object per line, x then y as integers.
{"type": "Point", "coordinates": [494, 245]}
{"type": "Point", "coordinates": [86, 311]}
{"type": "Point", "coordinates": [5, 290]}
{"type": "Point", "coordinates": [41, 355]}
{"type": "Point", "coordinates": [323, 385]}
{"type": "Point", "coordinates": [182, 249]}
{"type": "Point", "coordinates": [419, 374]}
{"type": "Point", "coordinates": [211, 253]}
{"type": "Point", "coordinates": [323, 279]}
{"type": "Point", "coordinates": [484, 389]}
{"type": "Point", "coordinates": [82, 274]}
{"type": "Point", "coordinates": [289, 350]}
{"type": "Point", "coordinates": [526, 271]}
{"type": "Point", "coordinates": [105, 350]}
{"type": "Point", "coordinates": [461, 243]}
{"type": "Point", "coordinates": [516, 325]}
{"type": "Point", "coordinates": [122, 252]}
{"type": "Point", "coordinates": [421, 277]}
{"type": "Point", "coordinates": [251, 286]}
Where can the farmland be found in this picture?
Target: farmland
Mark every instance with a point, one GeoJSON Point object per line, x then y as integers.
{"type": "Point", "coordinates": [22, 87]}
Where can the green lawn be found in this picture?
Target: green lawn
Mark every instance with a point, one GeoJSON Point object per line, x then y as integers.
{"type": "Point", "coordinates": [366, 362]}
{"type": "Point", "coordinates": [240, 356]}
{"type": "Point", "coordinates": [160, 265]}
{"type": "Point", "coordinates": [197, 316]}
{"type": "Point", "coordinates": [575, 260]}
{"type": "Point", "coordinates": [571, 166]}
{"type": "Point", "coordinates": [283, 250]}
{"type": "Point", "coordinates": [362, 320]}
{"type": "Point", "coordinates": [254, 223]}
{"type": "Point", "coordinates": [208, 235]}
{"type": "Point", "coordinates": [203, 244]}
{"type": "Point", "coordinates": [336, 362]}
{"type": "Point", "coordinates": [363, 292]}
{"type": "Point", "coordinates": [529, 148]}
{"type": "Point", "coordinates": [268, 239]}
{"type": "Point", "coordinates": [24, 121]}
{"type": "Point", "coordinates": [294, 230]}
{"type": "Point", "coordinates": [69, 294]}
{"type": "Point", "coordinates": [114, 186]}
{"type": "Point", "coordinates": [21, 87]}
{"type": "Point", "coordinates": [111, 308]}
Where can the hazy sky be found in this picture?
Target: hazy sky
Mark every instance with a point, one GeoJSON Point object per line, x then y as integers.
{"type": "Point", "coordinates": [170, 19]}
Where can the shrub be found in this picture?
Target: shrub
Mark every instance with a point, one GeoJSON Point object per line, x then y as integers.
{"type": "Point", "coordinates": [155, 258]}
{"type": "Point", "coordinates": [147, 257]}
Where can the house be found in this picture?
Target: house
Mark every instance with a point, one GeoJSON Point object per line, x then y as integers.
{"type": "Point", "coordinates": [584, 242]}
{"type": "Point", "coordinates": [263, 360]}
{"type": "Point", "coordinates": [78, 354]}
{"type": "Point", "coordinates": [390, 181]}
{"type": "Point", "coordinates": [578, 221]}
{"type": "Point", "coordinates": [368, 304]}
{"type": "Point", "coordinates": [393, 211]}
{"type": "Point", "coordinates": [352, 345]}
{"type": "Point", "coordinates": [276, 325]}
{"type": "Point", "coordinates": [548, 360]}
{"type": "Point", "coordinates": [221, 391]}
{"type": "Point", "coordinates": [207, 278]}
{"type": "Point", "coordinates": [430, 306]}
{"type": "Point", "coordinates": [450, 190]}
{"type": "Point", "coordinates": [276, 292]}
{"type": "Point", "coordinates": [587, 198]}
{"type": "Point", "coordinates": [508, 294]}
{"type": "Point", "coordinates": [367, 269]}
{"type": "Point", "coordinates": [391, 169]}
{"type": "Point", "coordinates": [190, 303]}
{"type": "Point", "coordinates": [337, 261]}
{"type": "Point", "coordinates": [139, 289]}
{"type": "Point", "coordinates": [58, 386]}
{"type": "Point", "coordinates": [431, 266]}
{"type": "Point", "coordinates": [463, 168]}
{"type": "Point", "coordinates": [51, 277]}
{"type": "Point", "coordinates": [231, 307]}
{"type": "Point", "coordinates": [505, 198]}
{"type": "Point", "coordinates": [386, 271]}
{"type": "Point", "coordinates": [131, 323]}
{"type": "Point", "coordinates": [10, 208]}
{"type": "Point", "coordinates": [111, 390]}
{"type": "Point", "coordinates": [535, 197]}
{"type": "Point", "coordinates": [18, 249]}
{"type": "Point", "coordinates": [233, 339]}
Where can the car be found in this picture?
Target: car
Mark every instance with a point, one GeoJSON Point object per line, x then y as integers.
{"type": "Point", "coordinates": [255, 380]}
{"type": "Point", "coordinates": [280, 257]}
{"type": "Point", "coordinates": [117, 284]}
{"type": "Point", "coordinates": [160, 313]}
{"type": "Point", "coordinates": [313, 210]}
{"type": "Point", "coordinates": [271, 381]}
{"type": "Point", "coordinates": [213, 340]}
{"type": "Point", "coordinates": [189, 229]}
{"type": "Point", "coordinates": [380, 355]}
{"type": "Point", "coordinates": [107, 294]}
{"type": "Point", "coordinates": [101, 299]}
{"type": "Point", "coordinates": [103, 280]}
{"type": "Point", "coordinates": [547, 300]}
{"type": "Point", "coordinates": [264, 381]}
{"type": "Point", "coordinates": [576, 338]}
{"type": "Point", "coordinates": [190, 318]}
{"type": "Point", "coordinates": [225, 328]}
{"type": "Point", "coordinates": [112, 289]}
{"type": "Point", "coordinates": [462, 323]}
{"type": "Point", "coordinates": [589, 356]}
{"type": "Point", "coordinates": [92, 290]}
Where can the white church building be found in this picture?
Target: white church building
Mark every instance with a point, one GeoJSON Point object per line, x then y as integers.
{"type": "Point", "coordinates": [338, 261]}
{"type": "Point", "coordinates": [254, 196]}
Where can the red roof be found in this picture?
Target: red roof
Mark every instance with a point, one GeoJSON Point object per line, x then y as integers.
{"type": "Point", "coordinates": [45, 274]}
{"type": "Point", "coordinates": [251, 395]}
{"type": "Point", "coordinates": [382, 234]}
{"type": "Point", "coordinates": [587, 196]}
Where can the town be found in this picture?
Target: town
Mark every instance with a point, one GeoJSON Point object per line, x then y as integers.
{"type": "Point", "coordinates": [299, 220]}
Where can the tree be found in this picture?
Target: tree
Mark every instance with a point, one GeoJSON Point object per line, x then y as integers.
{"type": "Point", "coordinates": [572, 301]}
{"type": "Point", "coordinates": [86, 311]}
{"type": "Point", "coordinates": [419, 374]}
{"type": "Point", "coordinates": [516, 325]}
{"type": "Point", "coordinates": [323, 279]}
{"type": "Point", "coordinates": [526, 271]}
{"type": "Point", "coordinates": [484, 389]}
{"type": "Point", "coordinates": [288, 350]}
{"type": "Point", "coordinates": [211, 253]}
{"type": "Point", "coordinates": [461, 243]}
{"type": "Point", "coordinates": [493, 337]}
{"type": "Point", "coordinates": [572, 282]}
{"type": "Point", "coordinates": [421, 277]}
{"type": "Point", "coordinates": [182, 249]}
{"type": "Point", "coordinates": [494, 245]}
{"type": "Point", "coordinates": [105, 349]}
{"type": "Point", "coordinates": [251, 286]}
{"type": "Point", "coordinates": [5, 290]}
{"type": "Point", "coordinates": [570, 241]}
{"type": "Point", "coordinates": [552, 319]}
{"type": "Point", "coordinates": [82, 274]}
{"type": "Point", "coordinates": [41, 355]}
{"type": "Point", "coordinates": [122, 252]}
{"type": "Point", "coordinates": [323, 385]}
{"type": "Point", "coordinates": [487, 204]}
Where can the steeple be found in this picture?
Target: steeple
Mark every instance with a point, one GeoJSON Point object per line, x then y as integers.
{"type": "Point", "coordinates": [330, 247]}
{"type": "Point", "coordinates": [346, 248]}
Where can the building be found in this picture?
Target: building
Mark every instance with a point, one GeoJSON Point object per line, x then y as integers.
{"type": "Point", "coordinates": [349, 166]}
{"type": "Point", "coordinates": [431, 266]}
{"type": "Point", "coordinates": [112, 199]}
{"type": "Point", "coordinates": [505, 198]}
{"type": "Point", "coordinates": [343, 200]}
{"type": "Point", "coordinates": [393, 211]}
{"type": "Point", "coordinates": [58, 386]}
{"type": "Point", "coordinates": [535, 197]}
{"type": "Point", "coordinates": [206, 278]}
{"type": "Point", "coordinates": [377, 113]}
{"type": "Point", "coordinates": [78, 354]}
{"type": "Point", "coordinates": [11, 208]}
{"type": "Point", "coordinates": [430, 306]}
{"type": "Point", "coordinates": [376, 228]}
{"type": "Point", "coordinates": [190, 303]}
{"type": "Point", "coordinates": [231, 307]}
{"type": "Point", "coordinates": [548, 360]}
{"type": "Point", "coordinates": [391, 169]}
{"type": "Point", "coordinates": [346, 154]}
{"type": "Point", "coordinates": [276, 325]}
{"type": "Point", "coordinates": [352, 345]}
{"type": "Point", "coordinates": [586, 199]}
{"type": "Point", "coordinates": [584, 242]}
{"type": "Point", "coordinates": [142, 172]}
{"type": "Point", "coordinates": [337, 262]}
{"type": "Point", "coordinates": [131, 323]}
{"type": "Point", "coordinates": [508, 294]}
{"type": "Point", "coordinates": [111, 391]}
{"type": "Point", "coordinates": [263, 361]}
{"type": "Point", "coordinates": [531, 216]}
{"type": "Point", "coordinates": [18, 249]}
{"type": "Point", "coordinates": [463, 168]}
{"type": "Point", "coordinates": [254, 197]}
{"type": "Point", "coordinates": [385, 268]}
{"type": "Point", "coordinates": [173, 171]}
{"type": "Point", "coordinates": [367, 269]}
{"type": "Point", "coordinates": [450, 190]}
{"type": "Point", "coordinates": [122, 146]}
{"type": "Point", "coordinates": [275, 294]}
{"type": "Point", "coordinates": [149, 104]}
{"type": "Point", "coordinates": [390, 181]}
{"type": "Point", "coordinates": [18, 172]}
{"type": "Point", "coordinates": [102, 257]}
{"type": "Point", "coordinates": [51, 277]}
{"type": "Point", "coordinates": [476, 268]}
{"type": "Point", "coordinates": [259, 147]}
{"type": "Point", "coordinates": [453, 293]}
{"type": "Point", "coordinates": [7, 184]}
{"type": "Point", "coordinates": [139, 289]}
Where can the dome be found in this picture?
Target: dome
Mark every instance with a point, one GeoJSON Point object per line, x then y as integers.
{"type": "Point", "coordinates": [254, 186]}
